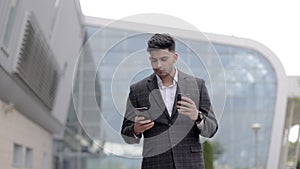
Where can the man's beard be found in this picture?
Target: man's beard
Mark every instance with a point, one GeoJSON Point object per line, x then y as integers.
{"type": "Point", "coordinates": [161, 73]}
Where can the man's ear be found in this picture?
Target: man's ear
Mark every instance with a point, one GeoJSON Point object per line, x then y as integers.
{"type": "Point", "coordinates": [176, 56]}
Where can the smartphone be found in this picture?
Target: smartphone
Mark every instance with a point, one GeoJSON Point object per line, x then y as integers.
{"type": "Point", "coordinates": [178, 97]}
{"type": "Point", "coordinates": [143, 112]}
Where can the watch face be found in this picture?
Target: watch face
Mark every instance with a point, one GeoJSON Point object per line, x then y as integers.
{"type": "Point", "coordinates": [201, 115]}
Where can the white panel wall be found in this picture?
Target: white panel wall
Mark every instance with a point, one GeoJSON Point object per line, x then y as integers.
{"type": "Point", "coordinates": [15, 128]}
{"type": "Point", "coordinates": [60, 21]}
{"type": "Point", "coordinates": [67, 39]}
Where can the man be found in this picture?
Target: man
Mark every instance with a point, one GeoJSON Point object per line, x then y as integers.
{"type": "Point", "coordinates": [178, 111]}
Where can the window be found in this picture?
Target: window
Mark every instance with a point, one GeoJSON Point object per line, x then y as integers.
{"type": "Point", "coordinates": [9, 23]}
{"type": "Point", "coordinates": [54, 18]}
{"type": "Point", "coordinates": [29, 158]}
{"type": "Point", "coordinates": [18, 155]}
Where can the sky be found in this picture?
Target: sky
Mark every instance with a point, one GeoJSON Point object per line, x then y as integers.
{"type": "Point", "coordinates": [274, 23]}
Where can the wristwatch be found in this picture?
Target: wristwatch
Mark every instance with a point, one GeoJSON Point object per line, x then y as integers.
{"type": "Point", "coordinates": [200, 117]}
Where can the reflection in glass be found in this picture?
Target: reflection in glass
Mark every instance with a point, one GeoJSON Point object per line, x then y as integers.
{"type": "Point", "coordinates": [251, 87]}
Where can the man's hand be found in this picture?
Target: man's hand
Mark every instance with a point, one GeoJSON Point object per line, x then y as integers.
{"type": "Point", "coordinates": [141, 125]}
{"type": "Point", "coordinates": [188, 107]}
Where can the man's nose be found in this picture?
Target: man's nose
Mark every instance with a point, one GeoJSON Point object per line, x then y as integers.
{"type": "Point", "coordinates": [158, 64]}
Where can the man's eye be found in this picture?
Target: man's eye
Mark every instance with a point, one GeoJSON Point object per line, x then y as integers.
{"type": "Point", "coordinates": [153, 60]}
{"type": "Point", "coordinates": [164, 59]}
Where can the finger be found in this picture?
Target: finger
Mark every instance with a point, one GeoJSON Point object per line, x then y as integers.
{"type": "Point", "coordinates": [146, 126]}
{"type": "Point", "coordinates": [188, 103]}
{"type": "Point", "coordinates": [187, 111]}
{"type": "Point", "coordinates": [186, 99]}
{"type": "Point", "coordinates": [142, 122]}
{"type": "Point", "coordinates": [138, 118]}
{"type": "Point", "coordinates": [189, 114]}
{"type": "Point", "coordinates": [184, 113]}
{"type": "Point", "coordinates": [149, 125]}
{"type": "Point", "coordinates": [185, 108]}
{"type": "Point", "coordinates": [183, 104]}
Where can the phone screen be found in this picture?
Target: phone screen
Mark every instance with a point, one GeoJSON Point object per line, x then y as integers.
{"type": "Point", "coordinates": [178, 98]}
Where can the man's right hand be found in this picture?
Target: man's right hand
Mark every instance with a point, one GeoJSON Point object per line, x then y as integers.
{"type": "Point", "coordinates": [142, 125]}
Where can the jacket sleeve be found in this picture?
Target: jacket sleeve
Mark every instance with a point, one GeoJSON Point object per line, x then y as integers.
{"type": "Point", "coordinates": [127, 130]}
{"type": "Point", "coordinates": [209, 126]}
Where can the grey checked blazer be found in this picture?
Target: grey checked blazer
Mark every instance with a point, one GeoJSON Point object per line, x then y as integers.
{"type": "Point", "coordinates": [173, 141]}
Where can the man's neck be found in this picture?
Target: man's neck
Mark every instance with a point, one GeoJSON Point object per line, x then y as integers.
{"type": "Point", "coordinates": [168, 80]}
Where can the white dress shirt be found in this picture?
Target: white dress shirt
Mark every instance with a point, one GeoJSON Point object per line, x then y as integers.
{"type": "Point", "coordinates": [168, 92]}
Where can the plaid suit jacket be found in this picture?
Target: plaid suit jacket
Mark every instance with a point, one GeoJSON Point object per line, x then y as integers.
{"type": "Point", "coordinates": [173, 141]}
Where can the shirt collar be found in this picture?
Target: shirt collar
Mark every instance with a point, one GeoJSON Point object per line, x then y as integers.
{"type": "Point", "coordinates": [175, 80]}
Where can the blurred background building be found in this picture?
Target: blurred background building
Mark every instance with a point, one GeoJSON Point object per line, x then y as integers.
{"type": "Point", "coordinates": [62, 94]}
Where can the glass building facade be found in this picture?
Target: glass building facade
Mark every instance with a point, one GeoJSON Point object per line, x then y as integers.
{"type": "Point", "coordinates": [249, 87]}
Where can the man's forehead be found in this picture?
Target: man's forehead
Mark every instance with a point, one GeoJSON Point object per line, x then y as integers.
{"type": "Point", "coordinates": [160, 53]}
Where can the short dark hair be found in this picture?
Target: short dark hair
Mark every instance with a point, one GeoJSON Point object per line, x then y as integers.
{"type": "Point", "coordinates": [161, 41]}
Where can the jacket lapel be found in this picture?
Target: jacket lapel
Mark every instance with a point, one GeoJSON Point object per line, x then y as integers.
{"type": "Point", "coordinates": [188, 86]}
{"type": "Point", "coordinates": [174, 110]}
{"type": "Point", "coordinates": [181, 88]}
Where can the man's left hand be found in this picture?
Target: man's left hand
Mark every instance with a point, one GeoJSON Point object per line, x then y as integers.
{"type": "Point", "coordinates": [188, 107]}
